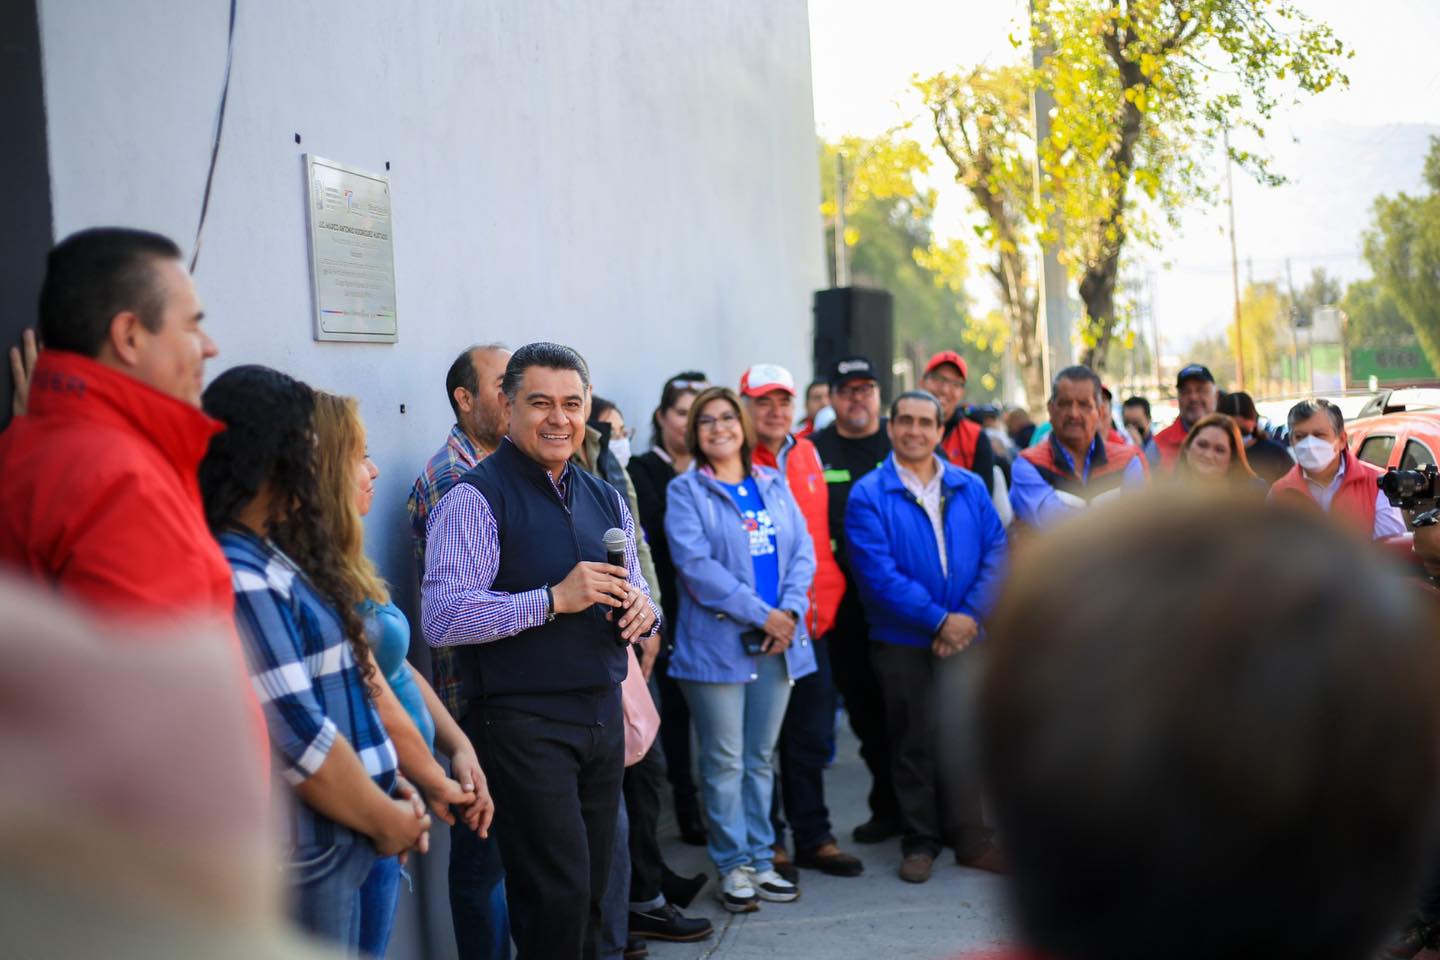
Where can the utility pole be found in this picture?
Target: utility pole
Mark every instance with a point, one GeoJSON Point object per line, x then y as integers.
{"type": "Point", "coordinates": [842, 269]}
{"type": "Point", "coordinates": [1054, 303]}
{"type": "Point", "coordinates": [1294, 334]}
{"type": "Point", "coordinates": [1234, 269]}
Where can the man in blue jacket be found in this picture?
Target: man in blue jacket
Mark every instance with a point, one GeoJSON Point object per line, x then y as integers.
{"type": "Point", "coordinates": [928, 551]}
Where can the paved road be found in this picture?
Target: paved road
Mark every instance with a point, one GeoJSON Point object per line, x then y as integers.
{"type": "Point", "coordinates": [876, 916]}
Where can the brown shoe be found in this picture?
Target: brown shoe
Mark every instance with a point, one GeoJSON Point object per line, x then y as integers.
{"type": "Point", "coordinates": [829, 858]}
{"type": "Point", "coordinates": [988, 857]}
{"type": "Point", "coordinates": [915, 868]}
{"type": "Point", "coordinates": [783, 864]}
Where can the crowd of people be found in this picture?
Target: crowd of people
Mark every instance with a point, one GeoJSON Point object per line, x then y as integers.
{"type": "Point", "coordinates": [772, 555]}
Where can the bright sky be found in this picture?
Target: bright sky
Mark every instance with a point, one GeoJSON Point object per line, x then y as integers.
{"type": "Point", "coordinates": [863, 55]}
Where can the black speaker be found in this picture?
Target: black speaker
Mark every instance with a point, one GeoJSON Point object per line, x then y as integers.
{"type": "Point", "coordinates": [856, 321]}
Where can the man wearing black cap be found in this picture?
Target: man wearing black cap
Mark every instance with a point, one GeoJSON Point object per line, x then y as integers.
{"type": "Point", "coordinates": [1267, 458]}
{"type": "Point", "coordinates": [1195, 389]}
{"type": "Point", "coordinates": [849, 448]}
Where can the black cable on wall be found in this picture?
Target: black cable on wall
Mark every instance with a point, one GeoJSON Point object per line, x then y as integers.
{"type": "Point", "coordinates": [215, 146]}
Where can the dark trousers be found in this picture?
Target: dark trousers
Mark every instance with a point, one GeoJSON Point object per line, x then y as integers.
{"type": "Point", "coordinates": [930, 707]}
{"type": "Point", "coordinates": [557, 795]}
{"type": "Point", "coordinates": [675, 742]}
{"type": "Point", "coordinates": [804, 747]}
{"type": "Point", "coordinates": [854, 675]}
{"type": "Point", "coordinates": [642, 801]}
{"type": "Point", "coordinates": [477, 896]}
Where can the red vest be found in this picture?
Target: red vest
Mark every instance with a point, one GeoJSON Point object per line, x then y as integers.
{"type": "Point", "coordinates": [100, 497]}
{"type": "Point", "coordinates": [1354, 502]}
{"type": "Point", "coordinates": [1107, 466]}
{"type": "Point", "coordinates": [805, 476]}
{"type": "Point", "coordinates": [959, 442]}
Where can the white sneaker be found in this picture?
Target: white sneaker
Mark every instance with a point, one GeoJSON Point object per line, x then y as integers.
{"type": "Point", "coordinates": [736, 893]}
{"type": "Point", "coordinates": [769, 885]}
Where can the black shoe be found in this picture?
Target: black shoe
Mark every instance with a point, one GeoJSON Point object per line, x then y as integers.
{"type": "Point", "coordinates": [682, 891]}
{"type": "Point", "coordinates": [692, 828]}
{"type": "Point", "coordinates": [635, 950]}
{"type": "Point", "coordinates": [667, 923]}
{"type": "Point", "coordinates": [876, 831]}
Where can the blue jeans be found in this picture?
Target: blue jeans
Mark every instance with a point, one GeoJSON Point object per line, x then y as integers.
{"type": "Point", "coordinates": [326, 890]}
{"type": "Point", "coordinates": [737, 725]}
{"type": "Point", "coordinates": [379, 896]}
{"type": "Point", "coordinates": [615, 907]}
{"type": "Point", "coordinates": [477, 896]}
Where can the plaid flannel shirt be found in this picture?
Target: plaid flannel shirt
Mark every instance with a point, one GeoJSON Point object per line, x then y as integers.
{"type": "Point", "coordinates": [457, 458]}
{"type": "Point", "coordinates": [306, 678]}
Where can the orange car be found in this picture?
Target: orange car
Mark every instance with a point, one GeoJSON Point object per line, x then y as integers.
{"type": "Point", "coordinates": [1405, 440]}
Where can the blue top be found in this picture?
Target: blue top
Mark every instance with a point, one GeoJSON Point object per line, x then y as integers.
{"type": "Point", "coordinates": [389, 634]}
{"type": "Point", "coordinates": [1038, 504]}
{"type": "Point", "coordinates": [306, 678]}
{"type": "Point", "coordinates": [718, 596]}
{"type": "Point", "coordinates": [896, 559]}
{"type": "Point", "coordinates": [755, 518]}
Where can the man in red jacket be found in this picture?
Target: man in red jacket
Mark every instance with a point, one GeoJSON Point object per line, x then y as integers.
{"type": "Point", "coordinates": [808, 729]}
{"type": "Point", "coordinates": [1328, 477]}
{"type": "Point", "coordinates": [964, 443]}
{"type": "Point", "coordinates": [98, 489]}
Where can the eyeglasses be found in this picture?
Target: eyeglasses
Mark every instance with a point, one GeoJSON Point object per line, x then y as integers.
{"type": "Point", "coordinates": [857, 390]}
{"type": "Point", "coordinates": [710, 423]}
{"type": "Point", "coordinates": [952, 382]}
{"type": "Point", "coordinates": [688, 384]}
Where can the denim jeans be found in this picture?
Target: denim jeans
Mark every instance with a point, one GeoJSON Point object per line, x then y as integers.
{"type": "Point", "coordinates": [379, 896]}
{"type": "Point", "coordinates": [478, 907]}
{"type": "Point", "coordinates": [737, 725]}
{"type": "Point", "coordinates": [615, 907]}
{"type": "Point", "coordinates": [326, 890]}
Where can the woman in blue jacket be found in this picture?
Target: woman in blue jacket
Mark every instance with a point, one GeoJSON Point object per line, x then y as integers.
{"type": "Point", "coordinates": [744, 562]}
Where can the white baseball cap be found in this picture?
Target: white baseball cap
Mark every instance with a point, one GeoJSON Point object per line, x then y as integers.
{"type": "Point", "coordinates": [765, 378]}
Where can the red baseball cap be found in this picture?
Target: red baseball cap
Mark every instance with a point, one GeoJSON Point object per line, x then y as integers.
{"type": "Point", "coordinates": [948, 356]}
{"type": "Point", "coordinates": [763, 378]}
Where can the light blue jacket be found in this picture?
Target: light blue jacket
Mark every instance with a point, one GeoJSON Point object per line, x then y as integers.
{"type": "Point", "coordinates": [718, 602]}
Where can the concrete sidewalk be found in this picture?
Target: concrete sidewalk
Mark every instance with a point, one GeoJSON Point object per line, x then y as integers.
{"type": "Point", "coordinates": [876, 916]}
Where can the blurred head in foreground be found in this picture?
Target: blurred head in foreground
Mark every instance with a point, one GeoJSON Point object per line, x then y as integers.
{"type": "Point", "coordinates": [1178, 773]}
{"type": "Point", "coordinates": [127, 828]}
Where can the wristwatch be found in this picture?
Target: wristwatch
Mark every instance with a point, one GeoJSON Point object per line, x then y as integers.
{"type": "Point", "coordinates": [549, 604]}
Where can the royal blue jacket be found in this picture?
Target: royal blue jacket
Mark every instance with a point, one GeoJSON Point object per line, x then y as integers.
{"type": "Point", "coordinates": [897, 563]}
{"type": "Point", "coordinates": [711, 552]}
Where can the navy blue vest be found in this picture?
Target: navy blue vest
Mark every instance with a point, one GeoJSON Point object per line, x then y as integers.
{"type": "Point", "coordinates": [570, 668]}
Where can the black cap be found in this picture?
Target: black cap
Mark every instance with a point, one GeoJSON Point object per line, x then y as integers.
{"type": "Point", "coordinates": [1194, 371]}
{"type": "Point", "coordinates": [848, 369]}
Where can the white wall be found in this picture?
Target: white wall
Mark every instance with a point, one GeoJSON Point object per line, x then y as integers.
{"type": "Point", "coordinates": [636, 178]}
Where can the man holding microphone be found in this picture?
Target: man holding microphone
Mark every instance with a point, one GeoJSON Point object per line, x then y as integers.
{"type": "Point", "coordinates": [516, 574]}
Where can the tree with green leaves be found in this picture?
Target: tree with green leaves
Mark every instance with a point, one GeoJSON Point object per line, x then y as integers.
{"type": "Point", "coordinates": [1140, 88]}
{"type": "Point", "coordinates": [890, 245]}
{"type": "Point", "coordinates": [982, 123]}
{"type": "Point", "coordinates": [1402, 247]}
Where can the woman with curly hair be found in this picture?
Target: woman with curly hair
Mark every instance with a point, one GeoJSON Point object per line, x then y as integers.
{"type": "Point", "coordinates": [412, 713]}
{"type": "Point", "coordinates": [297, 615]}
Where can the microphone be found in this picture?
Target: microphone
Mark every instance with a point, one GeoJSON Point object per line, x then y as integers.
{"type": "Point", "coordinates": [615, 541]}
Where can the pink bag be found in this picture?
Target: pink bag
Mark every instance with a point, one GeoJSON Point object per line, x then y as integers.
{"type": "Point", "coordinates": [642, 720]}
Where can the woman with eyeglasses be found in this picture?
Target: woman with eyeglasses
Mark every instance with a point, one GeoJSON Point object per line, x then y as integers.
{"type": "Point", "coordinates": [745, 564]}
{"type": "Point", "coordinates": [652, 472]}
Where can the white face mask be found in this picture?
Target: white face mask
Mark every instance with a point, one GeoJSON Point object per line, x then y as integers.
{"type": "Point", "coordinates": [1314, 454]}
{"type": "Point", "coordinates": [620, 446]}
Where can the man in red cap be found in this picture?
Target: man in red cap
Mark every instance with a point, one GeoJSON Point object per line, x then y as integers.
{"type": "Point", "coordinates": [769, 396]}
{"type": "Point", "coordinates": [964, 443]}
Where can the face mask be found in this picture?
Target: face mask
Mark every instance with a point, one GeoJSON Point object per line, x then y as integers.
{"type": "Point", "coordinates": [620, 446]}
{"type": "Point", "coordinates": [1315, 454]}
